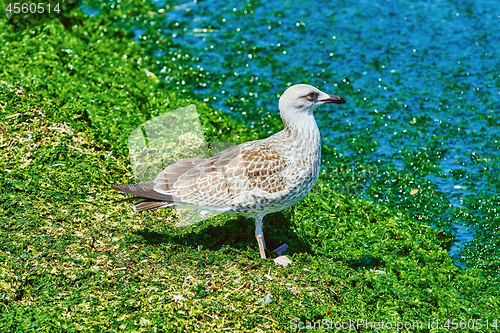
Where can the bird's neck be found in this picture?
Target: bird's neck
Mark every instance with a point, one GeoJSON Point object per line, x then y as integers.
{"type": "Point", "coordinates": [301, 126]}
{"type": "Point", "coordinates": [301, 143]}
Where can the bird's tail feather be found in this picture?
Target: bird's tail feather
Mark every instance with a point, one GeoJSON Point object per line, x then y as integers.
{"type": "Point", "coordinates": [150, 204]}
{"type": "Point", "coordinates": [144, 191]}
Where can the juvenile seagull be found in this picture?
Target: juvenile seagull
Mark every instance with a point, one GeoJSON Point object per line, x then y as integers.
{"type": "Point", "coordinates": [252, 179]}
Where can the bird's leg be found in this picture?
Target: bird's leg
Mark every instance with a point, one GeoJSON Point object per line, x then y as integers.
{"type": "Point", "coordinates": [259, 235]}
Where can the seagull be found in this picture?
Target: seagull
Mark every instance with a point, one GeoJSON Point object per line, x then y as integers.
{"type": "Point", "coordinates": [252, 179]}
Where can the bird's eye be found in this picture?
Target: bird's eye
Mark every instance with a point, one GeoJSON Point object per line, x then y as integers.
{"type": "Point", "coordinates": [312, 96]}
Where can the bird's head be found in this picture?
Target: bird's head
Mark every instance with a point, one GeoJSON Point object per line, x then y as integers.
{"type": "Point", "coordinates": [303, 98]}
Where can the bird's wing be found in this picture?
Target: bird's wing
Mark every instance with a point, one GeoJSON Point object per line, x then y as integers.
{"type": "Point", "coordinates": [227, 178]}
{"type": "Point", "coordinates": [146, 190]}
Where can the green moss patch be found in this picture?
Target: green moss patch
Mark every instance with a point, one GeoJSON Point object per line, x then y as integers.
{"type": "Point", "coordinates": [72, 260]}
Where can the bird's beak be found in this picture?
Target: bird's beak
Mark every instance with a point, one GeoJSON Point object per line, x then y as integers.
{"type": "Point", "coordinates": [333, 99]}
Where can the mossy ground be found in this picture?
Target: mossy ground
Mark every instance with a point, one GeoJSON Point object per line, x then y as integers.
{"type": "Point", "coordinates": [72, 260]}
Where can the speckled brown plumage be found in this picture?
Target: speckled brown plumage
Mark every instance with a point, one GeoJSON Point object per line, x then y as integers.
{"type": "Point", "coordinates": [252, 179]}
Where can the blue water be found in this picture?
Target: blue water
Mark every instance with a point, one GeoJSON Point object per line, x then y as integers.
{"type": "Point", "coordinates": [89, 10]}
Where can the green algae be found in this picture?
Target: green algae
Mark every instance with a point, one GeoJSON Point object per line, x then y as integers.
{"type": "Point", "coordinates": [72, 261]}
